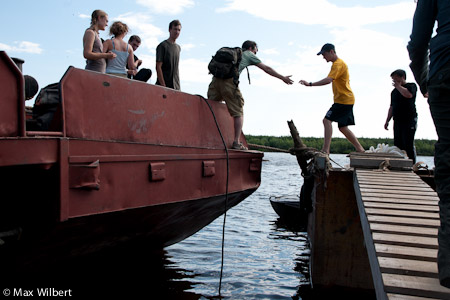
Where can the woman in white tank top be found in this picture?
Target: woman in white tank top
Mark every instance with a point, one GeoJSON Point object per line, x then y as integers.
{"type": "Point", "coordinates": [124, 53]}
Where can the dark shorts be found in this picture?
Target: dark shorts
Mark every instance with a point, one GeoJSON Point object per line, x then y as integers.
{"type": "Point", "coordinates": [342, 114]}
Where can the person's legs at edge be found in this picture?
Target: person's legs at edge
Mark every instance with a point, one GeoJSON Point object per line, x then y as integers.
{"type": "Point", "coordinates": [351, 138]}
{"type": "Point", "coordinates": [238, 123]}
{"type": "Point", "coordinates": [328, 129]}
{"type": "Point", "coordinates": [439, 100]}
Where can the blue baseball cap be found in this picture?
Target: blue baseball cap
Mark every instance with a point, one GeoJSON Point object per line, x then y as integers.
{"type": "Point", "coordinates": [326, 48]}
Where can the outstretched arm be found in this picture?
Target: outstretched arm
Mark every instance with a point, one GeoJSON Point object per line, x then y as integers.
{"type": "Point", "coordinates": [325, 81]}
{"type": "Point", "coordinates": [272, 72]}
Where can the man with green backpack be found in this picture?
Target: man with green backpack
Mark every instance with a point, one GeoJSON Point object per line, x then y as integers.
{"type": "Point", "coordinates": [226, 67]}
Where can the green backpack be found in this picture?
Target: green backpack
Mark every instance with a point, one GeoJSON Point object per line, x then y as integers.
{"type": "Point", "coordinates": [225, 64]}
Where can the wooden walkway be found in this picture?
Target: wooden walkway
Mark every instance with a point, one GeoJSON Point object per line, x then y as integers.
{"type": "Point", "coordinates": [400, 218]}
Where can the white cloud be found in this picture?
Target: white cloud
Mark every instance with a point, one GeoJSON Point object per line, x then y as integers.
{"type": "Point", "coordinates": [171, 7]}
{"type": "Point", "coordinates": [271, 51]}
{"type": "Point", "coordinates": [84, 16]}
{"type": "Point", "coordinates": [194, 70]}
{"type": "Point", "coordinates": [140, 24]}
{"type": "Point", "coordinates": [23, 47]}
{"type": "Point", "coordinates": [187, 47]}
{"type": "Point", "coordinates": [322, 12]}
{"type": "Point", "coordinates": [368, 47]}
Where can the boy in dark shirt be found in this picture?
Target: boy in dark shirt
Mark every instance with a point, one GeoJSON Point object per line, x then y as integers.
{"type": "Point", "coordinates": [403, 109]}
{"type": "Point", "coordinates": [143, 74]}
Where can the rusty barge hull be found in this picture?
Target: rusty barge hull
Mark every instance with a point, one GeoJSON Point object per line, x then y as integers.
{"type": "Point", "coordinates": [123, 160]}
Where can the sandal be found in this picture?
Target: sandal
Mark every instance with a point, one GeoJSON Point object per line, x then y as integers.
{"type": "Point", "coordinates": [238, 146]}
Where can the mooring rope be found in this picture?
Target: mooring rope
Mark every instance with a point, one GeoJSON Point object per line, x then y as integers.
{"type": "Point", "coordinates": [226, 194]}
{"type": "Point", "coordinates": [254, 146]}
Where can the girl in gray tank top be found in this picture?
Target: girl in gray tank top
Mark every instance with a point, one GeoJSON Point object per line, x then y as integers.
{"type": "Point", "coordinates": [92, 44]}
{"type": "Point", "coordinates": [98, 65]}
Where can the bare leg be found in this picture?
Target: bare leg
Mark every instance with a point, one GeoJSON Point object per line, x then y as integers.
{"type": "Point", "coordinates": [328, 133]}
{"type": "Point", "coordinates": [351, 138]}
{"type": "Point", "coordinates": [238, 123]}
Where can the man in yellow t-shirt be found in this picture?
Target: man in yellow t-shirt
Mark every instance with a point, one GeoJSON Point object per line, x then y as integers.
{"type": "Point", "coordinates": [342, 109]}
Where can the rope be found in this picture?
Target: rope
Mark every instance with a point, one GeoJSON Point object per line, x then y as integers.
{"type": "Point", "coordinates": [226, 194]}
{"type": "Point", "coordinates": [254, 146]}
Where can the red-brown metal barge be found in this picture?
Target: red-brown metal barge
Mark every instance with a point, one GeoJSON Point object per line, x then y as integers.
{"type": "Point", "coordinates": [124, 161]}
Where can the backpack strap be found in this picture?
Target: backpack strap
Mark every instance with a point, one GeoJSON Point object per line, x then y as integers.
{"type": "Point", "coordinates": [248, 75]}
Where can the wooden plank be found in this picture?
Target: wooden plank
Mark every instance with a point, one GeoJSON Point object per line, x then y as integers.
{"type": "Point", "coordinates": [408, 267]}
{"type": "Point", "coordinates": [427, 208]}
{"type": "Point", "coordinates": [398, 239]}
{"type": "Point", "coordinates": [408, 180]}
{"type": "Point", "coordinates": [392, 184]}
{"type": "Point", "coordinates": [401, 213]}
{"type": "Point", "coordinates": [369, 243]}
{"type": "Point", "coordinates": [402, 216]}
{"type": "Point", "coordinates": [407, 297]}
{"type": "Point", "coordinates": [374, 154]}
{"type": "Point", "coordinates": [375, 162]}
{"type": "Point", "coordinates": [385, 172]}
{"type": "Point", "coordinates": [405, 221]}
{"type": "Point", "coordinates": [380, 195]}
{"type": "Point", "coordinates": [380, 171]}
{"type": "Point", "coordinates": [388, 228]}
{"type": "Point", "coordinates": [388, 186]}
{"type": "Point", "coordinates": [413, 285]}
{"type": "Point", "coordinates": [365, 179]}
{"type": "Point", "coordinates": [400, 181]}
{"type": "Point", "coordinates": [334, 224]}
{"type": "Point", "coordinates": [406, 252]}
{"type": "Point", "coordinates": [404, 201]}
{"type": "Point", "coordinates": [423, 193]}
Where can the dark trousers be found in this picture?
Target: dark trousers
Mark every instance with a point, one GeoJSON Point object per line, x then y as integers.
{"type": "Point", "coordinates": [404, 132]}
{"type": "Point", "coordinates": [143, 75]}
{"type": "Point", "coordinates": [439, 100]}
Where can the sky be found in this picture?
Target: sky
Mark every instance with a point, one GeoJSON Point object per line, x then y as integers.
{"type": "Point", "coordinates": [370, 36]}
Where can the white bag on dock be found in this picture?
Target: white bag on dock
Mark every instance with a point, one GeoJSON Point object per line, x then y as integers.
{"type": "Point", "coordinates": [385, 148]}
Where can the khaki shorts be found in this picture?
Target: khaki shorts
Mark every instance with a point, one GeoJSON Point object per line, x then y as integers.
{"type": "Point", "coordinates": [225, 90]}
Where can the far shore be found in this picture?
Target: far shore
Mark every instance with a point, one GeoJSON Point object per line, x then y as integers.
{"type": "Point", "coordinates": [339, 145]}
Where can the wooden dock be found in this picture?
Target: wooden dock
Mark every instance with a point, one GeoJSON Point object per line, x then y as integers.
{"type": "Point", "coordinates": [399, 215]}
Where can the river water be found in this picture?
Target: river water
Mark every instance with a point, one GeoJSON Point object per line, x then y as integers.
{"type": "Point", "coordinates": [263, 258]}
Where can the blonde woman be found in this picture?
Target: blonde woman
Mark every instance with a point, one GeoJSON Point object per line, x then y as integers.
{"type": "Point", "coordinates": [92, 44]}
{"type": "Point", "coordinates": [124, 52]}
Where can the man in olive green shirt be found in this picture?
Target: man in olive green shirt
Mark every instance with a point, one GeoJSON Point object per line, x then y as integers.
{"type": "Point", "coordinates": [225, 89]}
{"type": "Point", "coordinates": [342, 109]}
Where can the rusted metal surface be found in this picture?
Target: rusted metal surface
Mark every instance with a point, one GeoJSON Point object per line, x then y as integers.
{"type": "Point", "coordinates": [104, 107]}
{"type": "Point", "coordinates": [148, 158]}
{"type": "Point", "coordinates": [12, 100]}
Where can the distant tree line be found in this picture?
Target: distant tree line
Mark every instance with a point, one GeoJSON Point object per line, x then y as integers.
{"type": "Point", "coordinates": [338, 145]}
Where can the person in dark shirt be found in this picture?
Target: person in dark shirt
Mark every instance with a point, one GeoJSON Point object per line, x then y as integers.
{"type": "Point", "coordinates": [403, 110]}
{"type": "Point", "coordinates": [168, 57]}
{"type": "Point", "coordinates": [434, 83]}
{"type": "Point", "coordinates": [143, 74]}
